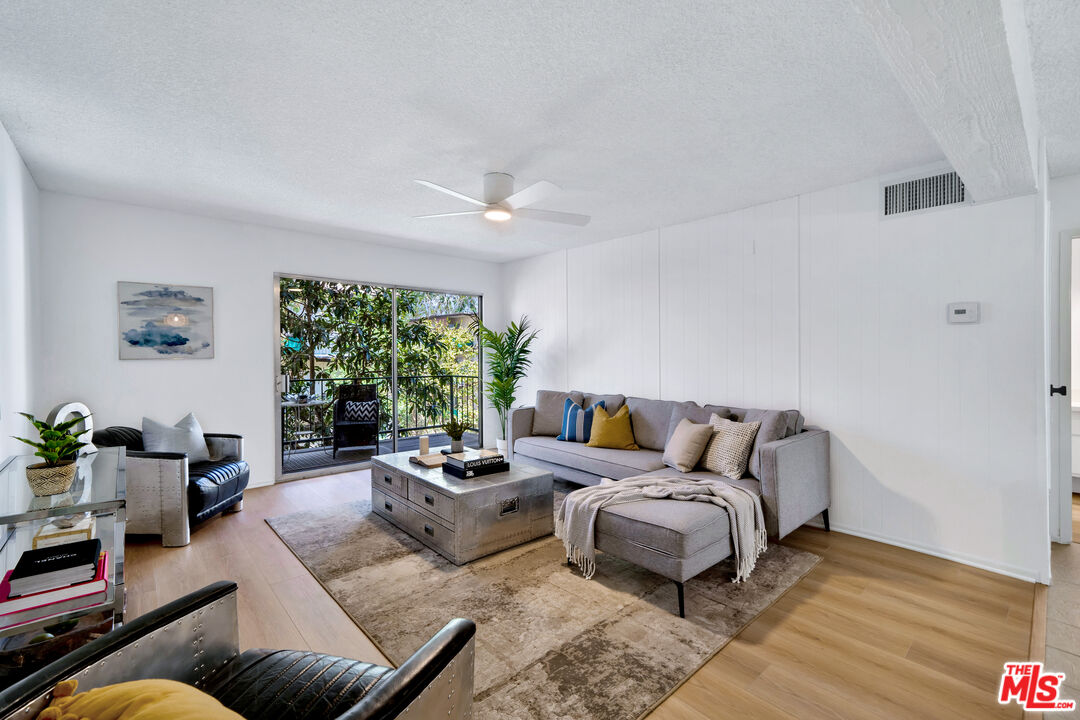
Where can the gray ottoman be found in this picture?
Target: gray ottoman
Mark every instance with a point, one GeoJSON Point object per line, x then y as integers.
{"type": "Point", "coordinates": [674, 538]}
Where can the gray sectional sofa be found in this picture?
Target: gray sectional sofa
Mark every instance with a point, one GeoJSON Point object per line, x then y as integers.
{"type": "Point", "coordinates": [788, 469]}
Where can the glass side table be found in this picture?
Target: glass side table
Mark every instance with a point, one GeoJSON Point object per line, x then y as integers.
{"type": "Point", "coordinates": [99, 491]}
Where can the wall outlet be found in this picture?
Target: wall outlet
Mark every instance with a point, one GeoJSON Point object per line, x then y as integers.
{"type": "Point", "coordinates": [963, 313]}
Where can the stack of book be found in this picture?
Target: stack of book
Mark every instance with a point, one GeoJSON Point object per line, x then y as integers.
{"type": "Point", "coordinates": [474, 463]}
{"type": "Point", "coordinates": [53, 580]}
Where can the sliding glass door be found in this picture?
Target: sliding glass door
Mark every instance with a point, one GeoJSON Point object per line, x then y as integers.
{"type": "Point", "coordinates": [368, 369]}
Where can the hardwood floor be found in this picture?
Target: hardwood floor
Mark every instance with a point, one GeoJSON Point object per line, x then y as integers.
{"type": "Point", "coordinates": [874, 631]}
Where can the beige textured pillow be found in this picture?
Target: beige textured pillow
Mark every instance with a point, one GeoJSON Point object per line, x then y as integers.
{"type": "Point", "coordinates": [729, 447]}
{"type": "Point", "coordinates": [684, 449]}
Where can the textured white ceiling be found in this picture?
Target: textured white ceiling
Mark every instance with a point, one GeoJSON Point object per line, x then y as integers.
{"type": "Point", "coordinates": [1055, 57]}
{"type": "Point", "coordinates": [319, 115]}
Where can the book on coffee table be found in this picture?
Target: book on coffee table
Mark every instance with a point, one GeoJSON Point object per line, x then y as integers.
{"type": "Point", "coordinates": [430, 460]}
{"type": "Point", "coordinates": [473, 459]}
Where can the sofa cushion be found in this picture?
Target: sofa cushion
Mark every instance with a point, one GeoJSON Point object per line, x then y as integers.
{"type": "Point", "coordinates": [612, 431]}
{"type": "Point", "coordinates": [617, 464]}
{"type": "Point", "coordinates": [612, 403]}
{"type": "Point", "coordinates": [577, 421]}
{"type": "Point", "coordinates": [186, 436]}
{"type": "Point", "coordinates": [729, 447]}
{"type": "Point", "coordinates": [547, 418]}
{"type": "Point", "coordinates": [650, 420]}
{"type": "Point", "coordinates": [215, 485]}
{"type": "Point", "coordinates": [674, 527]}
{"type": "Point", "coordinates": [686, 445]}
{"type": "Point", "coordinates": [775, 425]}
{"type": "Point", "coordinates": [116, 435]}
{"type": "Point", "coordinates": [695, 414]}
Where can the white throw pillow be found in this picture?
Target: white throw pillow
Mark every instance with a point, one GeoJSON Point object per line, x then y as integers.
{"type": "Point", "coordinates": [184, 437]}
{"type": "Point", "coordinates": [730, 445]}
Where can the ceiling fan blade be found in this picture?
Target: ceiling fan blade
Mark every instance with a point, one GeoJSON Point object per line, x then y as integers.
{"type": "Point", "coordinates": [454, 193]}
{"type": "Point", "coordinates": [530, 195]}
{"type": "Point", "coordinates": [467, 212]}
{"type": "Point", "coordinates": [552, 216]}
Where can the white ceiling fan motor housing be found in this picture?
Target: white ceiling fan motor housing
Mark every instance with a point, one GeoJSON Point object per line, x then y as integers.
{"type": "Point", "coordinates": [497, 187]}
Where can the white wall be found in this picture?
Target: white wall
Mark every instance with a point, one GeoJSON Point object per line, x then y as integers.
{"type": "Point", "coordinates": [18, 238]}
{"type": "Point", "coordinates": [816, 303]}
{"type": "Point", "coordinates": [87, 246]}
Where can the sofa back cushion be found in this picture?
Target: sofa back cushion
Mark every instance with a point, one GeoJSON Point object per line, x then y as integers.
{"type": "Point", "coordinates": [547, 418]}
{"type": "Point", "coordinates": [650, 419]}
{"type": "Point", "coordinates": [612, 403]}
{"type": "Point", "coordinates": [695, 414]}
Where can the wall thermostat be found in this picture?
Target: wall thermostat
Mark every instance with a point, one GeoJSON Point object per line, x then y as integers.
{"type": "Point", "coordinates": [963, 312]}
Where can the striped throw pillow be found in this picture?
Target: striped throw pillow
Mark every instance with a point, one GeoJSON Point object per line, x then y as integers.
{"type": "Point", "coordinates": [577, 421]}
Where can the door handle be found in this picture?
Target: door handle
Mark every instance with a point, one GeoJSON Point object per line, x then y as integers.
{"type": "Point", "coordinates": [1058, 390]}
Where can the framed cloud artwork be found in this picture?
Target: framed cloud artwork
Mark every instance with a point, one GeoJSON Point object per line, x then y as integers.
{"type": "Point", "coordinates": [165, 321]}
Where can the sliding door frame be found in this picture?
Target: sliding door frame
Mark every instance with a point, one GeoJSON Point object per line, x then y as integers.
{"type": "Point", "coordinates": [278, 378]}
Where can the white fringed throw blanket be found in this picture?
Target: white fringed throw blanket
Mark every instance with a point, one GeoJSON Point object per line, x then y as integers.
{"type": "Point", "coordinates": [575, 523]}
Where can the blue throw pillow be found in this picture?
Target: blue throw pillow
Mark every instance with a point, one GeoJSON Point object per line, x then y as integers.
{"type": "Point", "coordinates": [577, 421]}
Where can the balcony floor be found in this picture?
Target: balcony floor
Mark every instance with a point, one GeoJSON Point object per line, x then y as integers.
{"type": "Point", "coordinates": [317, 458]}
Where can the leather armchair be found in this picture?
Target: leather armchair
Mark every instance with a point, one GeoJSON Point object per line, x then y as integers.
{"type": "Point", "coordinates": [195, 640]}
{"type": "Point", "coordinates": [167, 495]}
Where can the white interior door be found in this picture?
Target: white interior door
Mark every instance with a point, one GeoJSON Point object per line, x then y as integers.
{"type": "Point", "coordinates": [1059, 407]}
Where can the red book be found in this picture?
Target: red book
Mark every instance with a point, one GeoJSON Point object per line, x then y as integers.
{"type": "Point", "coordinates": [25, 608]}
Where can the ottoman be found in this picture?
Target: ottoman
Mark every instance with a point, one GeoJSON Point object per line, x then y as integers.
{"type": "Point", "coordinates": [674, 538]}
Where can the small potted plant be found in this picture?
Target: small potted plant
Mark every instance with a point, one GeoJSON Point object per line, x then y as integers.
{"type": "Point", "coordinates": [455, 429]}
{"type": "Point", "coordinates": [59, 449]}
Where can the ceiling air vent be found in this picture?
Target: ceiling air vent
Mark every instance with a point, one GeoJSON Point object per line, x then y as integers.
{"type": "Point", "coordinates": [923, 193]}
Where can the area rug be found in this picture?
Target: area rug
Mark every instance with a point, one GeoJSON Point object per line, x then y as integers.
{"type": "Point", "coordinates": [549, 644]}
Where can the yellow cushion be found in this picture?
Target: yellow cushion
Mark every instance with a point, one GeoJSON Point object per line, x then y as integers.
{"type": "Point", "coordinates": [612, 431]}
{"type": "Point", "coordinates": [135, 700]}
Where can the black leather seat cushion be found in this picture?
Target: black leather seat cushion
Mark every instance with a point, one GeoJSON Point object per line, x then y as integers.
{"type": "Point", "coordinates": [214, 485]}
{"type": "Point", "coordinates": [293, 684]}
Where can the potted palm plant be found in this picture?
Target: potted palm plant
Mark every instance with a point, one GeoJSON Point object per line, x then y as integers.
{"type": "Point", "coordinates": [456, 429]}
{"type": "Point", "coordinates": [59, 449]}
{"type": "Point", "coordinates": [508, 360]}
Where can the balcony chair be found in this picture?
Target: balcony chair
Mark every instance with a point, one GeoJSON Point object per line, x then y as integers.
{"type": "Point", "coordinates": [356, 431]}
{"type": "Point", "coordinates": [195, 640]}
{"type": "Point", "coordinates": [166, 495]}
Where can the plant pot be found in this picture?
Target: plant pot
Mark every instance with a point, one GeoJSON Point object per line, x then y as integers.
{"type": "Point", "coordinates": [500, 445]}
{"type": "Point", "coordinates": [457, 446]}
{"type": "Point", "coordinates": [50, 480]}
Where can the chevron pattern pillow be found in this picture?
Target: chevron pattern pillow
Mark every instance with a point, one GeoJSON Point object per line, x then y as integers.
{"type": "Point", "coordinates": [577, 421]}
{"type": "Point", "coordinates": [361, 411]}
{"type": "Point", "coordinates": [729, 448]}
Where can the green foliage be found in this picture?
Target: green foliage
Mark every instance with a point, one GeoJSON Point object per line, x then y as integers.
{"type": "Point", "coordinates": [57, 444]}
{"type": "Point", "coordinates": [455, 428]}
{"type": "Point", "coordinates": [333, 330]}
{"type": "Point", "coordinates": [508, 360]}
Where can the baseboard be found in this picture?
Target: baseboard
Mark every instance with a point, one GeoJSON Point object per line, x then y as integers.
{"type": "Point", "coordinates": [1076, 483]}
{"type": "Point", "coordinates": [1019, 573]}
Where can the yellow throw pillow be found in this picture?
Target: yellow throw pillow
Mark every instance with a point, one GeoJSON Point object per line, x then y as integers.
{"type": "Point", "coordinates": [135, 700]}
{"type": "Point", "coordinates": [612, 431]}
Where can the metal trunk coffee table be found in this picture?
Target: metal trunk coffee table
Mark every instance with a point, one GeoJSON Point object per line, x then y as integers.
{"type": "Point", "coordinates": [462, 520]}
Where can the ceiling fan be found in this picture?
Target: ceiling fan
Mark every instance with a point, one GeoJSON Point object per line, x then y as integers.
{"type": "Point", "coordinates": [501, 203]}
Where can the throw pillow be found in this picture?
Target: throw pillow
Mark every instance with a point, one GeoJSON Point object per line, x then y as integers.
{"type": "Point", "coordinates": [577, 421]}
{"type": "Point", "coordinates": [548, 414]}
{"type": "Point", "coordinates": [729, 447]}
{"type": "Point", "coordinates": [686, 445]}
{"type": "Point", "coordinates": [185, 436]}
{"type": "Point", "coordinates": [361, 411]}
{"type": "Point", "coordinates": [612, 431]}
{"type": "Point", "coordinates": [135, 700]}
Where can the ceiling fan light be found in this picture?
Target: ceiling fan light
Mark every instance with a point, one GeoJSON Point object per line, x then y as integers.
{"type": "Point", "coordinates": [498, 214]}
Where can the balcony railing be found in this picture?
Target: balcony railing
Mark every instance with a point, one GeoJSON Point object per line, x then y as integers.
{"type": "Point", "coordinates": [424, 404]}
